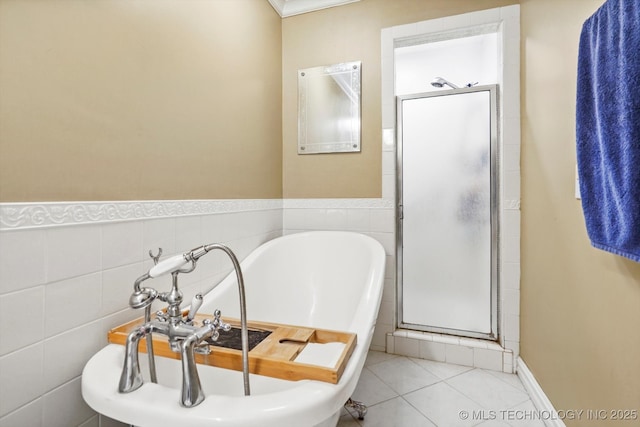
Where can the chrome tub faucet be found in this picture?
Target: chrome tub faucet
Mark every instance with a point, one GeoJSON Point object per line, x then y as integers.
{"type": "Point", "coordinates": [184, 336]}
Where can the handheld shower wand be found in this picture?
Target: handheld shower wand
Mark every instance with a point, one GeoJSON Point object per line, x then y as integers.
{"type": "Point", "coordinates": [176, 262]}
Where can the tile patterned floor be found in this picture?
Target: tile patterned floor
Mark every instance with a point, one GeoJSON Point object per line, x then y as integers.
{"type": "Point", "coordinates": [406, 392]}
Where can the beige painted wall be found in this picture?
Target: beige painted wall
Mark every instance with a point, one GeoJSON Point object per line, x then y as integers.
{"type": "Point", "coordinates": [146, 99]}
{"type": "Point", "coordinates": [347, 33]}
{"type": "Point", "coordinates": [580, 307]}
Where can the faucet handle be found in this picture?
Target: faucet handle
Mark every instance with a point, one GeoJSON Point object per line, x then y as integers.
{"type": "Point", "coordinates": [196, 303]}
{"type": "Point", "coordinates": [212, 326]}
{"type": "Point", "coordinates": [218, 323]}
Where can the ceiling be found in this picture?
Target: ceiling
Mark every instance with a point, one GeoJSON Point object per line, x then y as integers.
{"type": "Point", "coordinates": [296, 7]}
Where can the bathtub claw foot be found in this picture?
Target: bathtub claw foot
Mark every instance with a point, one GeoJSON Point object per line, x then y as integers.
{"type": "Point", "coordinates": [359, 407]}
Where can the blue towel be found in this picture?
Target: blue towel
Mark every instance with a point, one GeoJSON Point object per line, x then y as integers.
{"type": "Point", "coordinates": [608, 127]}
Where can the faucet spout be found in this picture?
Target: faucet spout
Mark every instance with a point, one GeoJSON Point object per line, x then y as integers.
{"type": "Point", "coordinates": [131, 377]}
{"type": "Point", "coordinates": [192, 393]}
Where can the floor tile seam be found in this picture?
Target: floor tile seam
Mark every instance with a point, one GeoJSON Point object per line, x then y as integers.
{"type": "Point", "coordinates": [471, 369]}
{"type": "Point", "coordinates": [524, 401]}
{"type": "Point", "coordinates": [490, 372]}
{"type": "Point", "coordinates": [399, 394]}
{"type": "Point", "coordinates": [419, 388]}
{"type": "Point", "coordinates": [394, 356]}
{"type": "Point", "coordinates": [411, 359]}
{"type": "Point", "coordinates": [382, 381]}
{"type": "Point", "coordinates": [467, 395]}
{"type": "Point", "coordinates": [440, 379]}
{"type": "Point", "coordinates": [495, 375]}
{"type": "Point", "coordinates": [355, 419]}
{"type": "Point", "coordinates": [482, 405]}
{"type": "Point", "coordinates": [478, 403]}
{"type": "Point", "coordinates": [388, 400]}
{"type": "Point", "coordinates": [527, 397]}
{"type": "Point", "coordinates": [384, 401]}
{"type": "Point", "coordinates": [419, 411]}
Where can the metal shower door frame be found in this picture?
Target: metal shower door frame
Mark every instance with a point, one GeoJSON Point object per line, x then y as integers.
{"type": "Point", "coordinates": [494, 205]}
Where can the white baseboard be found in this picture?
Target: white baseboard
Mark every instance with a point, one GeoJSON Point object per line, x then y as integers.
{"type": "Point", "coordinates": [539, 399]}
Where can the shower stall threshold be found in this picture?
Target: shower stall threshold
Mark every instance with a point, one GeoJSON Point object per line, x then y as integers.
{"type": "Point", "coordinates": [473, 352]}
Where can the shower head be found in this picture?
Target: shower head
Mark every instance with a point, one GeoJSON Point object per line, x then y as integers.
{"type": "Point", "coordinates": [440, 82]}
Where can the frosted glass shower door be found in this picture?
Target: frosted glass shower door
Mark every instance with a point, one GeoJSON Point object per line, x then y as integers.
{"type": "Point", "coordinates": [447, 239]}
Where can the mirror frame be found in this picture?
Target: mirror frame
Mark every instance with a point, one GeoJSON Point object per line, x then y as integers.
{"type": "Point", "coordinates": [315, 113]}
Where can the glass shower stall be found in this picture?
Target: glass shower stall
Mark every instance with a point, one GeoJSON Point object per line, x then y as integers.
{"type": "Point", "coordinates": [447, 221]}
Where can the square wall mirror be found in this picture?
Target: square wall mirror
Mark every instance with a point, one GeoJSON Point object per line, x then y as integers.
{"type": "Point", "coordinates": [329, 109]}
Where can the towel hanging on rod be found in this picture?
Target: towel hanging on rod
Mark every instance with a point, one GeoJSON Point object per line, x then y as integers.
{"type": "Point", "coordinates": [608, 127]}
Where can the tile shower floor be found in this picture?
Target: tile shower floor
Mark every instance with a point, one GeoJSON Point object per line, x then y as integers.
{"type": "Point", "coordinates": [407, 392]}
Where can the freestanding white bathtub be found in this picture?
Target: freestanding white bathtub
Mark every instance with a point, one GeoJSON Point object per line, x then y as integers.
{"type": "Point", "coordinates": [324, 279]}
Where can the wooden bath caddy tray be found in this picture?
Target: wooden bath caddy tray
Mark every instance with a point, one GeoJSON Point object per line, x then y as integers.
{"type": "Point", "coordinates": [274, 356]}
